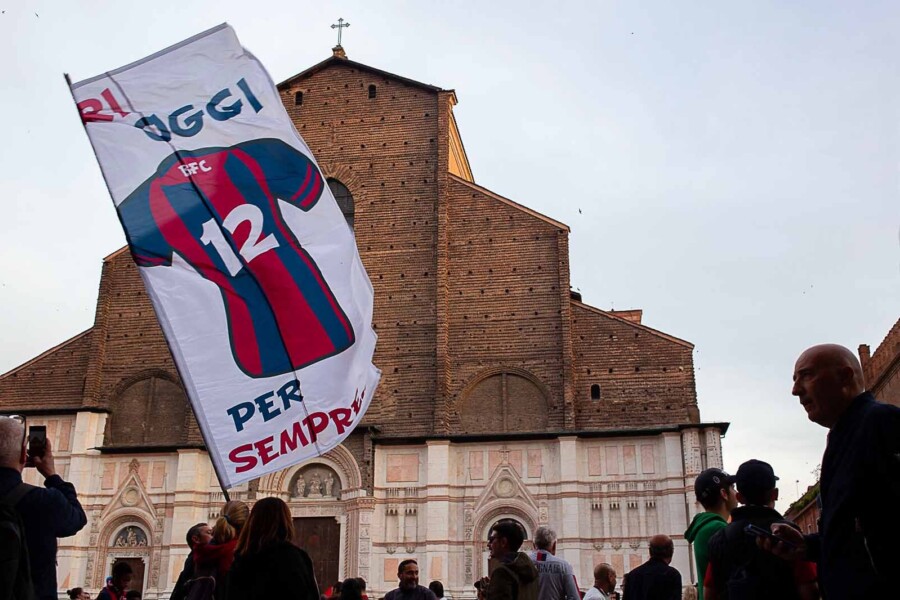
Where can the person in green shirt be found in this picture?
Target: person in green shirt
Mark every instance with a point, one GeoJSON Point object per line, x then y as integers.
{"type": "Point", "coordinates": [715, 492]}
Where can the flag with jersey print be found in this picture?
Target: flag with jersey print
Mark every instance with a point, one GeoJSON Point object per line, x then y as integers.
{"type": "Point", "coordinates": [248, 261]}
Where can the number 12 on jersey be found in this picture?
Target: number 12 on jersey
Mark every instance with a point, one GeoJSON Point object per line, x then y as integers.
{"type": "Point", "coordinates": [252, 247]}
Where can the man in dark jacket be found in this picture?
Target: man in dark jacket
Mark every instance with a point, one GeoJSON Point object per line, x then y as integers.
{"type": "Point", "coordinates": [515, 577]}
{"type": "Point", "coordinates": [48, 513]}
{"type": "Point", "coordinates": [201, 533]}
{"type": "Point", "coordinates": [655, 579]}
{"type": "Point", "coordinates": [737, 567]}
{"type": "Point", "coordinates": [856, 547]}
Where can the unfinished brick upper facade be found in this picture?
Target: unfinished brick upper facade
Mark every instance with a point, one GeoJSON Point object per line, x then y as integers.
{"type": "Point", "coordinates": [881, 369]}
{"type": "Point", "coordinates": [479, 339]}
{"type": "Point", "coordinates": [466, 283]}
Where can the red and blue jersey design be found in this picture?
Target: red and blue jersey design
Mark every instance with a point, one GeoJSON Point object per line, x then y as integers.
{"type": "Point", "coordinates": [218, 209]}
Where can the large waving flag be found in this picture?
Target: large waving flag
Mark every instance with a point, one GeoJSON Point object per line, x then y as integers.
{"type": "Point", "coordinates": [250, 265]}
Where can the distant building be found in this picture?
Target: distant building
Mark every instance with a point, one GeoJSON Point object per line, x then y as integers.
{"type": "Point", "coordinates": [882, 367]}
{"type": "Point", "coordinates": [805, 511]}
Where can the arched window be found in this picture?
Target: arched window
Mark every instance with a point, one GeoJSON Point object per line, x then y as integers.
{"type": "Point", "coordinates": [595, 391]}
{"type": "Point", "coordinates": [504, 402]}
{"type": "Point", "coordinates": [298, 98]}
{"type": "Point", "coordinates": [344, 199]}
{"type": "Point", "coordinates": [149, 412]}
{"type": "Point", "coordinates": [372, 91]}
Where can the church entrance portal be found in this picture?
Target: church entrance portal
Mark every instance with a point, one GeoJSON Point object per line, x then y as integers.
{"type": "Point", "coordinates": [321, 538]}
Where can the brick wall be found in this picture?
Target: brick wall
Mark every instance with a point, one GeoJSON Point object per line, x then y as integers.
{"type": "Point", "coordinates": [384, 149]}
{"type": "Point", "coordinates": [881, 369]}
{"type": "Point", "coordinates": [504, 296]}
{"type": "Point", "coordinates": [55, 379]}
{"type": "Point", "coordinates": [645, 377]}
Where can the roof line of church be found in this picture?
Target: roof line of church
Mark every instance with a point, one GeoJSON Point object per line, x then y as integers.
{"type": "Point", "coordinates": [346, 61]}
{"type": "Point", "coordinates": [512, 203]}
{"type": "Point", "coordinates": [543, 435]}
{"type": "Point", "coordinates": [115, 253]}
{"type": "Point", "coordinates": [46, 353]}
{"type": "Point", "coordinates": [640, 326]}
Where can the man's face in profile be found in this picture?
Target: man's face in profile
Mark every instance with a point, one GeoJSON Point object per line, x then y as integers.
{"type": "Point", "coordinates": [818, 386]}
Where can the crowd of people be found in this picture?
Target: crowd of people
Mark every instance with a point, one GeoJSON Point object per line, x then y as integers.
{"type": "Point", "coordinates": [743, 548]}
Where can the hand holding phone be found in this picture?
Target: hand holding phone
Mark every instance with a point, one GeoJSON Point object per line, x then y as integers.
{"type": "Point", "coordinates": [759, 532]}
{"type": "Point", "coordinates": [37, 444]}
{"type": "Point", "coordinates": [40, 452]}
{"type": "Point", "coordinates": [784, 541]}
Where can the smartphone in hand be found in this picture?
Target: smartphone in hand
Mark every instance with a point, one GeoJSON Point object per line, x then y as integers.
{"type": "Point", "coordinates": [37, 444]}
{"type": "Point", "coordinates": [757, 531]}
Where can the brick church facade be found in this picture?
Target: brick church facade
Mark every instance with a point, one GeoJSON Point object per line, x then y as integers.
{"type": "Point", "coordinates": [503, 394]}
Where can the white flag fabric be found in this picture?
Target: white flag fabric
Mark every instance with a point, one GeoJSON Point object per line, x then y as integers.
{"type": "Point", "coordinates": [251, 267]}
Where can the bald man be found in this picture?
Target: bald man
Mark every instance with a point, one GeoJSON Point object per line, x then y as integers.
{"type": "Point", "coordinates": [655, 579]}
{"type": "Point", "coordinates": [858, 544]}
{"type": "Point", "coordinates": [604, 583]}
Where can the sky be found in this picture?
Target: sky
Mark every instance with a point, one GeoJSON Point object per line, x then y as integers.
{"type": "Point", "coordinates": [730, 170]}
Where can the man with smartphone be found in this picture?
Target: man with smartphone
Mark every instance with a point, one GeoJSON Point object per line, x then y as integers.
{"type": "Point", "coordinates": [48, 513]}
{"type": "Point", "coordinates": [738, 569]}
{"type": "Point", "coordinates": [856, 547]}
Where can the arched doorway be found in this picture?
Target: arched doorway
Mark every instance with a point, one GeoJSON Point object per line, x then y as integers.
{"type": "Point", "coordinates": [319, 484]}
{"type": "Point", "coordinates": [130, 544]}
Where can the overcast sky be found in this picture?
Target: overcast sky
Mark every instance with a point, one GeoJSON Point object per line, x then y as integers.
{"type": "Point", "coordinates": [731, 170]}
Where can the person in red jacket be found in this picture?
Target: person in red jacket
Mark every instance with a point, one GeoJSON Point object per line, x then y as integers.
{"type": "Point", "coordinates": [214, 559]}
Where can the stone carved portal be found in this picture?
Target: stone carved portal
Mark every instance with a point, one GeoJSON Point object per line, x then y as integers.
{"type": "Point", "coordinates": [130, 537]}
{"type": "Point", "coordinates": [315, 482]}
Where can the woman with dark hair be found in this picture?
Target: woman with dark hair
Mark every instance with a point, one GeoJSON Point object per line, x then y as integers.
{"type": "Point", "coordinates": [78, 594]}
{"type": "Point", "coordinates": [266, 564]}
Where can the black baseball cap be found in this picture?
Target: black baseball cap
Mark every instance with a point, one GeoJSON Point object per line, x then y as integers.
{"type": "Point", "coordinates": [709, 482]}
{"type": "Point", "coordinates": [756, 475]}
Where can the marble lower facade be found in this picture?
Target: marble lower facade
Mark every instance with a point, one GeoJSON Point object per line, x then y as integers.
{"type": "Point", "coordinates": [435, 500]}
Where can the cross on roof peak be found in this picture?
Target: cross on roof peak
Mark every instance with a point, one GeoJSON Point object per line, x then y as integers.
{"type": "Point", "coordinates": [340, 27]}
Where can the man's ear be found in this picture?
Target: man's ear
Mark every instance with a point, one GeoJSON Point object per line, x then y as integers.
{"type": "Point", "coordinates": [774, 494]}
{"type": "Point", "coordinates": [740, 498]}
{"type": "Point", "coordinates": [24, 455]}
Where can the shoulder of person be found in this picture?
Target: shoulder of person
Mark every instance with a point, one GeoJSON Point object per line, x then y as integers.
{"type": "Point", "coordinates": [884, 416]}
{"type": "Point", "coordinates": [502, 571]}
{"type": "Point", "coordinates": [288, 552]}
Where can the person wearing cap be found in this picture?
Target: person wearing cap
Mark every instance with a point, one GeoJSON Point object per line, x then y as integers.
{"type": "Point", "coordinates": [714, 489]}
{"type": "Point", "coordinates": [857, 546]}
{"type": "Point", "coordinates": [738, 568]}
